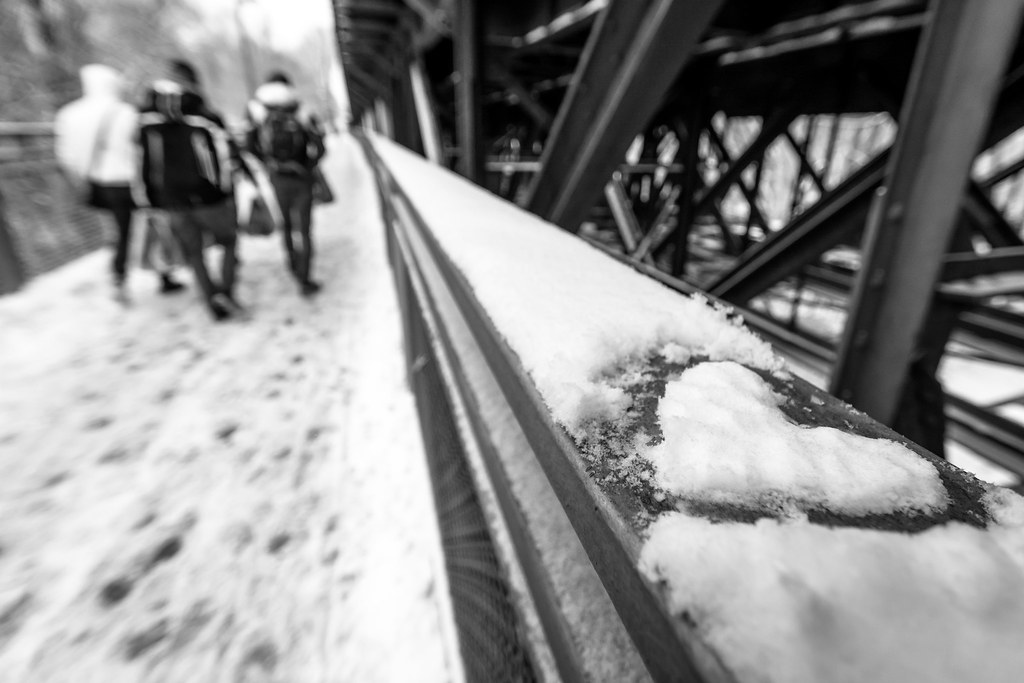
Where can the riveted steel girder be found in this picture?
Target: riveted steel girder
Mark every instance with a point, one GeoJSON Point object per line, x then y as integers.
{"type": "Point", "coordinates": [635, 52]}
{"type": "Point", "coordinates": [957, 76]}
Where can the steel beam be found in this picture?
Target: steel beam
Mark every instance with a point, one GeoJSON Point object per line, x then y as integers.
{"type": "Point", "coordinates": [957, 73]}
{"type": "Point", "coordinates": [1002, 174]}
{"type": "Point", "coordinates": [425, 113]}
{"type": "Point", "coordinates": [750, 194]}
{"type": "Point", "coordinates": [838, 216]}
{"type": "Point", "coordinates": [773, 126]}
{"type": "Point", "coordinates": [407, 126]}
{"type": "Point", "coordinates": [659, 228]}
{"type": "Point", "coordinates": [1009, 109]}
{"type": "Point", "coordinates": [633, 55]}
{"type": "Point", "coordinates": [431, 14]}
{"type": "Point", "coordinates": [468, 41]}
{"type": "Point", "coordinates": [372, 7]}
{"type": "Point", "coordinates": [967, 265]}
{"type": "Point", "coordinates": [524, 98]}
{"type": "Point", "coordinates": [690, 182]}
{"type": "Point", "coordinates": [625, 219]}
{"type": "Point", "coordinates": [365, 79]}
{"type": "Point", "coordinates": [988, 220]}
{"type": "Point", "coordinates": [374, 51]}
{"type": "Point", "coordinates": [542, 37]}
{"type": "Point", "coordinates": [806, 169]}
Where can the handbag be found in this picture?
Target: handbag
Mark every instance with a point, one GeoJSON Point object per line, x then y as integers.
{"type": "Point", "coordinates": [254, 213]}
{"type": "Point", "coordinates": [322, 192]}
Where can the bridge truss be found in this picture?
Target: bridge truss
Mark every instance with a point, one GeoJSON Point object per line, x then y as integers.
{"type": "Point", "coordinates": [848, 174]}
{"type": "Point", "coordinates": [770, 154]}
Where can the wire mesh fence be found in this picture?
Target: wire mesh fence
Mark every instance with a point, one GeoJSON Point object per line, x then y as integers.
{"type": "Point", "coordinates": [45, 224]}
{"type": "Point", "coordinates": [491, 638]}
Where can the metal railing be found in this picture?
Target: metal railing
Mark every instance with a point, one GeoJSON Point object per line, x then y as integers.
{"type": "Point", "coordinates": [463, 373]}
{"type": "Point", "coordinates": [42, 223]}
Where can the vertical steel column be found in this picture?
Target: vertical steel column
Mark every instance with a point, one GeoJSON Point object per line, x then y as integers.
{"type": "Point", "coordinates": [957, 73]}
{"type": "Point", "coordinates": [691, 181]}
{"type": "Point", "coordinates": [425, 109]}
{"type": "Point", "coordinates": [468, 40]}
{"type": "Point", "coordinates": [382, 118]}
{"type": "Point", "coordinates": [407, 127]}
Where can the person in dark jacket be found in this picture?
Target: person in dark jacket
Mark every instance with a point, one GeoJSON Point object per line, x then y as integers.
{"type": "Point", "coordinates": [289, 140]}
{"type": "Point", "coordinates": [188, 161]}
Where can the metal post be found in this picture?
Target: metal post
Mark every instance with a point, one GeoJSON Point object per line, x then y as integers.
{"type": "Point", "coordinates": [957, 73]}
{"type": "Point", "coordinates": [468, 91]}
{"type": "Point", "coordinates": [425, 113]}
{"type": "Point", "coordinates": [633, 55]}
{"type": "Point", "coordinates": [718, 143]}
{"type": "Point", "coordinates": [691, 181]}
{"type": "Point", "coordinates": [407, 129]}
{"type": "Point", "coordinates": [830, 149]}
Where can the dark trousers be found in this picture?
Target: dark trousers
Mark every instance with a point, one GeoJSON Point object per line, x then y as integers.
{"type": "Point", "coordinates": [295, 195]}
{"type": "Point", "coordinates": [198, 226]}
{"type": "Point", "coordinates": [117, 199]}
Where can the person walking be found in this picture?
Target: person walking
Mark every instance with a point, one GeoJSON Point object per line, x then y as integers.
{"type": "Point", "coordinates": [95, 146]}
{"type": "Point", "coordinates": [188, 162]}
{"type": "Point", "coordinates": [289, 140]}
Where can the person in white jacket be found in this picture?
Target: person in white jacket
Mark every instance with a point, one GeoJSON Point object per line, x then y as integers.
{"type": "Point", "coordinates": [95, 146]}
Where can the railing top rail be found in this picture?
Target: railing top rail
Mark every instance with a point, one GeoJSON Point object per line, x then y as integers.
{"type": "Point", "coordinates": [26, 129]}
{"type": "Point", "coordinates": [854, 552]}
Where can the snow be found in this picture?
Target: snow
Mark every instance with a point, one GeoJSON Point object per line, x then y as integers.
{"type": "Point", "coordinates": [980, 467]}
{"type": "Point", "coordinates": [777, 597]}
{"type": "Point", "coordinates": [793, 601]}
{"type": "Point", "coordinates": [605, 651]}
{"type": "Point", "coordinates": [725, 440]}
{"type": "Point", "coordinates": [981, 382]}
{"type": "Point", "coordinates": [569, 312]}
{"type": "Point", "coordinates": [185, 501]}
{"type": "Point", "coordinates": [1012, 411]}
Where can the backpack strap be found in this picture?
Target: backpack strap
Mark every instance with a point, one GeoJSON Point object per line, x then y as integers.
{"type": "Point", "coordinates": [100, 144]}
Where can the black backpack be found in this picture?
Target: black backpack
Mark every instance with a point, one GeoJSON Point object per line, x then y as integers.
{"type": "Point", "coordinates": [282, 137]}
{"type": "Point", "coordinates": [185, 153]}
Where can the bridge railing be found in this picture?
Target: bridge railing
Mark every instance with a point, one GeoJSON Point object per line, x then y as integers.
{"type": "Point", "coordinates": [25, 142]}
{"type": "Point", "coordinates": [547, 546]}
{"type": "Point", "coordinates": [42, 224]}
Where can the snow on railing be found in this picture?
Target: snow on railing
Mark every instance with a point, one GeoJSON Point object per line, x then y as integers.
{"type": "Point", "coordinates": [744, 525]}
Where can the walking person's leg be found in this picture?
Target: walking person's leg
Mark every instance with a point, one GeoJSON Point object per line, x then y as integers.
{"type": "Point", "coordinates": [120, 206]}
{"type": "Point", "coordinates": [160, 253]}
{"type": "Point", "coordinates": [228, 266]}
{"type": "Point", "coordinates": [220, 222]}
{"type": "Point", "coordinates": [188, 231]}
{"type": "Point", "coordinates": [303, 207]}
{"type": "Point", "coordinates": [284, 192]}
{"type": "Point", "coordinates": [224, 227]}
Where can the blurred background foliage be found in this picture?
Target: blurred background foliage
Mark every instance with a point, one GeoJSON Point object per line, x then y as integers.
{"type": "Point", "coordinates": [43, 43]}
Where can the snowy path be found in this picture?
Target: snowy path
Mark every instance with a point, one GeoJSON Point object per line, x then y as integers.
{"type": "Point", "coordinates": [183, 501]}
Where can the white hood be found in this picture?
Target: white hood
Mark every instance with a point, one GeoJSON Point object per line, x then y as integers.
{"type": "Point", "coordinates": [271, 95]}
{"type": "Point", "coordinates": [78, 127]}
{"type": "Point", "coordinates": [100, 80]}
{"type": "Point", "coordinates": [277, 95]}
